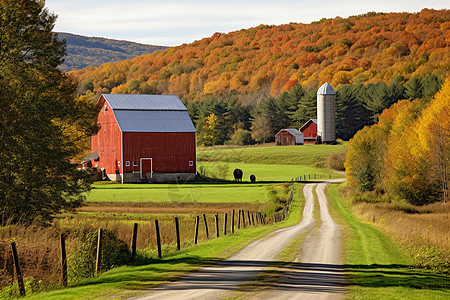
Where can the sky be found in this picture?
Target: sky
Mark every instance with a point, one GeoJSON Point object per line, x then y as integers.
{"type": "Point", "coordinates": [174, 22]}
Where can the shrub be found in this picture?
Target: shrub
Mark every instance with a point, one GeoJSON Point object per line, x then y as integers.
{"type": "Point", "coordinates": [242, 137]}
{"type": "Point", "coordinates": [336, 161]}
{"type": "Point", "coordinates": [82, 259]}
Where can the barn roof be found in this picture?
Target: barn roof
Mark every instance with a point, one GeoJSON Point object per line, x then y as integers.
{"type": "Point", "coordinates": [326, 89]}
{"type": "Point", "coordinates": [307, 122]}
{"type": "Point", "coordinates": [154, 121]}
{"type": "Point", "coordinates": [144, 102]}
{"type": "Point", "coordinates": [150, 113]}
{"type": "Point", "coordinates": [297, 134]}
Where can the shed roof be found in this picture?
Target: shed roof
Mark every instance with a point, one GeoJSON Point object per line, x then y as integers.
{"type": "Point", "coordinates": [144, 102]}
{"type": "Point", "coordinates": [326, 89]}
{"type": "Point", "coordinates": [149, 113]}
{"type": "Point", "coordinates": [313, 120]}
{"type": "Point", "coordinates": [297, 134]}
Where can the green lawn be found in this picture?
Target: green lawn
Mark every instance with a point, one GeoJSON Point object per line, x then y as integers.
{"type": "Point", "coordinates": [281, 155]}
{"type": "Point", "coordinates": [376, 266]}
{"type": "Point", "coordinates": [268, 172]}
{"type": "Point", "coordinates": [177, 192]}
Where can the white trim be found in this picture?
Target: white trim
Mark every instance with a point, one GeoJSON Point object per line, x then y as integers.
{"type": "Point", "coordinates": [121, 152]}
{"type": "Point", "coordinates": [151, 167]}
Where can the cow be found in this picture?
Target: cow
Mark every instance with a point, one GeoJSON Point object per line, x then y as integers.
{"type": "Point", "coordinates": [252, 178]}
{"type": "Point", "coordinates": [237, 173]}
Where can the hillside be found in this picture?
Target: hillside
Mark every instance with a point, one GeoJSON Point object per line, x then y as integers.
{"type": "Point", "coordinates": [266, 60]}
{"type": "Point", "coordinates": [85, 51]}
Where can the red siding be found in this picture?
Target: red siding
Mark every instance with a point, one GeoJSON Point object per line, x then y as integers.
{"type": "Point", "coordinates": [108, 141]}
{"type": "Point", "coordinates": [284, 138]}
{"type": "Point", "coordinates": [309, 131]}
{"type": "Point", "coordinates": [170, 151]}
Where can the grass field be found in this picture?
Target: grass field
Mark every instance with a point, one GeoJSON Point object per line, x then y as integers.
{"type": "Point", "coordinates": [376, 266]}
{"type": "Point", "coordinates": [308, 155]}
{"type": "Point", "coordinates": [268, 172]}
{"type": "Point", "coordinates": [127, 281]}
{"type": "Point", "coordinates": [177, 193]}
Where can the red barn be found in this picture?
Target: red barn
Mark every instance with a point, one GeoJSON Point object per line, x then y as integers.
{"type": "Point", "coordinates": [287, 137]}
{"type": "Point", "coordinates": [144, 138]}
{"type": "Point", "coordinates": [309, 130]}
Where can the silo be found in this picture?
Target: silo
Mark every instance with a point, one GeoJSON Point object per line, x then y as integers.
{"type": "Point", "coordinates": [326, 114]}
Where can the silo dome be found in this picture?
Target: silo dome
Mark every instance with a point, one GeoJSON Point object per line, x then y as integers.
{"type": "Point", "coordinates": [326, 89]}
{"type": "Point", "coordinates": [326, 114]}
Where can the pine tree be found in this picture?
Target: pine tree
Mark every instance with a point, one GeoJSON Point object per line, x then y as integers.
{"type": "Point", "coordinates": [41, 120]}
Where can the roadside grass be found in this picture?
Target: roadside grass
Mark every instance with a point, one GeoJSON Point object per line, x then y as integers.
{"type": "Point", "coordinates": [266, 172]}
{"type": "Point", "coordinates": [286, 155]}
{"type": "Point", "coordinates": [377, 268]}
{"type": "Point", "coordinates": [126, 281]}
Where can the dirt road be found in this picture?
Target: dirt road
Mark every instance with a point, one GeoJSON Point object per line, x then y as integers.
{"type": "Point", "coordinates": [319, 273]}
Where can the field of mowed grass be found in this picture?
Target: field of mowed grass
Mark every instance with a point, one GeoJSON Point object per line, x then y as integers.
{"type": "Point", "coordinates": [309, 155]}
{"type": "Point", "coordinates": [267, 172]}
{"type": "Point", "coordinates": [177, 193]}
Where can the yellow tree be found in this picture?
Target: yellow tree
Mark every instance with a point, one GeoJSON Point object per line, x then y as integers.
{"type": "Point", "coordinates": [433, 132]}
{"type": "Point", "coordinates": [208, 132]}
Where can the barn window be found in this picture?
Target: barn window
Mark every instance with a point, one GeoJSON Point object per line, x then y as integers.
{"type": "Point", "coordinates": [191, 163]}
{"type": "Point", "coordinates": [127, 163]}
{"type": "Point", "coordinates": [134, 163]}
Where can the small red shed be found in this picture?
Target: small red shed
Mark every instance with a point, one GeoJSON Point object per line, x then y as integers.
{"type": "Point", "coordinates": [309, 130]}
{"type": "Point", "coordinates": [288, 137]}
{"type": "Point", "coordinates": [144, 138]}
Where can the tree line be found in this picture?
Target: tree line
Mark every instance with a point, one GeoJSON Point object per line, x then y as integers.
{"type": "Point", "coordinates": [405, 156]}
{"type": "Point", "coordinates": [224, 119]}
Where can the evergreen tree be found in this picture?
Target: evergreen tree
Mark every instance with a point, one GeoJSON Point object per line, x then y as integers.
{"type": "Point", "coordinates": [41, 120]}
{"type": "Point", "coordinates": [413, 88]}
{"type": "Point", "coordinates": [430, 86]}
{"type": "Point", "coordinates": [348, 112]}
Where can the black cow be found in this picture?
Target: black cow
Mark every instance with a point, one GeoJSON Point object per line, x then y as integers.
{"type": "Point", "coordinates": [237, 173]}
{"type": "Point", "coordinates": [252, 178]}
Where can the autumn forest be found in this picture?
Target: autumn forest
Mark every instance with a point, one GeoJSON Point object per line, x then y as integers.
{"type": "Point", "coordinates": [246, 78]}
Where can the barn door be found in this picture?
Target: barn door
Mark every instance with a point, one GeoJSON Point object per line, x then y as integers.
{"type": "Point", "coordinates": [146, 168]}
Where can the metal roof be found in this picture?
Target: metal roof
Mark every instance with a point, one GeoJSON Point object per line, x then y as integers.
{"type": "Point", "coordinates": [144, 102]}
{"type": "Point", "coordinates": [297, 134]}
{"type": "Point", "coordinates": [153, 121]}
{"type": "Point", "coordinates": [314, 120]}
{"type": "Point", "coordinates": [326, 89]}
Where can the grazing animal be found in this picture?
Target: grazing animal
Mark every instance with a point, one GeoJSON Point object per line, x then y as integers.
{"type": "Point", "coordinates": [237, 173]}
{"type": "Point", "coordinates": [252, 178]}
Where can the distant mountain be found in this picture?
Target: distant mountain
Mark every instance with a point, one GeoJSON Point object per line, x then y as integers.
{"type": "Point", "coordinates": [85, 51]}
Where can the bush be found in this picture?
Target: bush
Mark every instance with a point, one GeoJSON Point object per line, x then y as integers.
{"type": "Point", "coordinates": [82, 259]}
{"type": "Point", "coordinates": [336, 161]}
{"type": "Point", "coordinates": [242, 137]}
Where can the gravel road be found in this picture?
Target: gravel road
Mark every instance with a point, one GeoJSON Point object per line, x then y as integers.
{"type": "Point", "coordinates": [317, 273]}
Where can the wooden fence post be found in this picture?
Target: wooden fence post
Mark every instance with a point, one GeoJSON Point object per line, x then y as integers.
{"type": "Point", "coordinates": [99, 252]}
{"type": "Point", "coordinates": [197, 218]}
{"type": "Point", "coordinates": [243, 219]}
{"type": "Point", "coordinates": [239, 219]}
{"type": "Point", "coordinates": [206, 226]}
{"type": "Point", "coordinates": [217, 224]}
{"type": "Point", "coordinates": [225, 224]}
{"type": "Point", "coordinates": [133, 243]}
{"type": "Point", "coordinates": [249, 220]}
{"type": "Point", "coordinates": [18, 272]}
{"type": "Point", "coordinates": [63, 260]}
{"type": "Point", "coordinates": [158, 239]}
{"type": "Point", "coordinates": [232, 222]}
{"type": "Point", "coordinates": [253, 220]}
{"type": "Point", "coordinates": [177, 229]}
